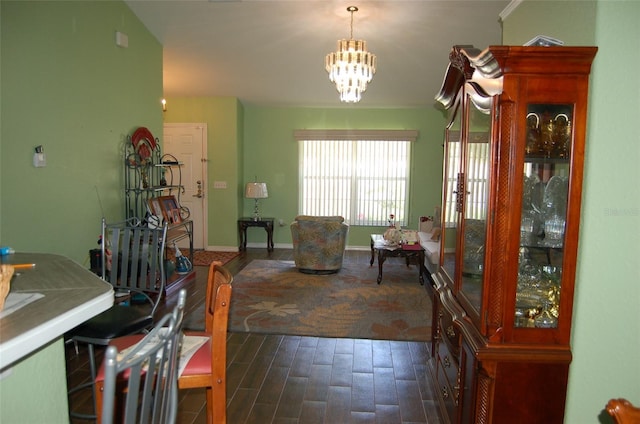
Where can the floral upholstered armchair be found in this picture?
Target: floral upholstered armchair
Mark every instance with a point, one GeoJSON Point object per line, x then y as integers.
{"type": "Point", "coordinates": [319, 243]}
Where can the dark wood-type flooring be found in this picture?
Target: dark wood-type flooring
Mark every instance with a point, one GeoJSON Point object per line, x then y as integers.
{"type": "Point", "coordinates": [294, 379]}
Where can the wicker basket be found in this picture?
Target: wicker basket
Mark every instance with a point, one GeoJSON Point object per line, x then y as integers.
{"type": "Point", "coordinates": [6, 272]}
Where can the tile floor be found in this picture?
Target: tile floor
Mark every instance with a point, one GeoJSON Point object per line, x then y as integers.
{"type": "Point", "coordinates": [294, 379]}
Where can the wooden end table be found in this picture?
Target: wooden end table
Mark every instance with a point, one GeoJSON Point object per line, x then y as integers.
{"type": "Point", "coordinates": [385, 251]}
{"type": "Point", "coordinates": [246, 222]}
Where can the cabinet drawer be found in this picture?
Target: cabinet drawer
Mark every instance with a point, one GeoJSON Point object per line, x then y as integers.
{"type": "Point", "coordinates": [446, 392]}
{"type": "Point", "coordinates": [448, 363]}
{"type": "Point", "coordinates": [449, 332]}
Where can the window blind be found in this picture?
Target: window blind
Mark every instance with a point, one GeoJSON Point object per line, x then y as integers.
{"type": "Point", "coordinates": [363, 180]}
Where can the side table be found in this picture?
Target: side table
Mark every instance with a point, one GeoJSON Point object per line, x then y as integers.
{"type": "Point", "coordinates": [246, 222]}
{"type": "Point", "coordinates": [385, 251]}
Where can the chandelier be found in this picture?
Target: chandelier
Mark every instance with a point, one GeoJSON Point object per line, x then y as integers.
{"type": "Point", "coordinates": [351, 67]}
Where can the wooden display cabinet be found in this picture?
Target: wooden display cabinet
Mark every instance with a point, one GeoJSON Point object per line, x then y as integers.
{"type": "Point", "coordinates": [511, 208]}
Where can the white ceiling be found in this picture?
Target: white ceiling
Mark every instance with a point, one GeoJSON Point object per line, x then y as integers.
{"type": "Point", "coordinates": [271, 52]}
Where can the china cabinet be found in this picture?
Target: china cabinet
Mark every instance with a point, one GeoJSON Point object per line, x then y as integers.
{"type": "Point", "coordinates": [503, 299]}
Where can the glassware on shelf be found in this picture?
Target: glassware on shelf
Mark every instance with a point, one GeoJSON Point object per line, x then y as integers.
{"type": "Point", "coordinates": [538, 289]}
{"type": "Point", "coordinates": [555, 210]}
{"type": "Point", "coordinates": [546, 318]}
{"type": "Point", "coordinates": [533, 134]}
{"type": "Point", "coordinates": [529, 227]}
{"type": "Point", "coordinates": [555, 195]}
{"type": "Point", "coordinates": [554, 231]}
{"type": "Point", "coordinates": [562, 135]}
{"type": "Point", "coordinates": [546, 135]}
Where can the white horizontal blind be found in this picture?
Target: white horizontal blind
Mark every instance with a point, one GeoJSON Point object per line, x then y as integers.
{"type": "Point", "coordinates": [362, 180]}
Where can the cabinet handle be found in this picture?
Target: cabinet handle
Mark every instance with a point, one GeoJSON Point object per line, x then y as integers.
{"type": "Point", "coordinates": [446, 362]}
{"type": "Point", "coordinates": [459, 192]}
{"type": "Point", "coordinates": [445, 392]}
{"type": "Point", "coordinates": [451, 332]}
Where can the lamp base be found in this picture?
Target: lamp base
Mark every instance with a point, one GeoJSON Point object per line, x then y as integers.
{"type": "Point", "coordinates": [256, 212]}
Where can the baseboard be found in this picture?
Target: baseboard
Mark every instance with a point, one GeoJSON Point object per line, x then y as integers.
{"type": "Point", "coordinates": [283, 246]}
{"type": "Point", "coordinates": [222, 248]}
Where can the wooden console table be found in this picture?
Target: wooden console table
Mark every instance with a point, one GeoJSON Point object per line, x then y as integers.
{"type": "Point", "coordinates": [246, 222]}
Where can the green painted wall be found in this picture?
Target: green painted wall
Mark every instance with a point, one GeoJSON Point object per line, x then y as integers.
{"type": "Point", "coordinates": [31, 392]}
{"type": "Point", "coordinates": [271, 153]}
{"type": "Point", "coordinates": [67, 86]}
{"type": "Point", "coordinates": [569, 21]}
{"type": "Point", "coordinates": [606, 323]}
{"type": "Point", "coordinates": [223, 116]}
{"type": "Point", "coordinates": [245, 142]}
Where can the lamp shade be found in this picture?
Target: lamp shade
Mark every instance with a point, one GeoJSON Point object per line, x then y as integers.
{"type": "Point", "coordinates": [256, 191]}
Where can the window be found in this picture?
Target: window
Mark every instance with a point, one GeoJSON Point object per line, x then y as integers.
{"type": "Point", "coordinates": [477, 180]}
{"type": "Point", "coordinates": [360, 175]}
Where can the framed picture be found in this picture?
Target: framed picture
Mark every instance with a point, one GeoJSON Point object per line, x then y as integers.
{"type": "Point", "coordinates": [154, 207]}
{"type": "Point", "coordinates": [170, 209]}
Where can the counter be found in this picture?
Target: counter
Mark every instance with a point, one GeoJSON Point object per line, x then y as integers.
{"type": "Point", "coordinates": [72, 295]}
{"type": "Point", "coordinates": [33, 380]}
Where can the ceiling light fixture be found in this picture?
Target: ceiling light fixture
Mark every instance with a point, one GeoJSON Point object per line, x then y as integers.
{"type": "Point", "coordinates": [351, 67]}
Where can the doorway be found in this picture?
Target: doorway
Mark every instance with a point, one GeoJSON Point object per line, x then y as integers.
{"type": "Point", "coordinates": [188, 143]}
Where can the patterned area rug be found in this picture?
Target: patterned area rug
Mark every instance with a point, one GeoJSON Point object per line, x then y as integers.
{"type": "Point", "coordinates": [205, 257]}
{"type": "Point", "coordinates": [273, 297]}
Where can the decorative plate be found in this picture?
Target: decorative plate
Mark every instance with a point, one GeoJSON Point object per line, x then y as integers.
{"type": "Point", "coordinates": [143, 142]}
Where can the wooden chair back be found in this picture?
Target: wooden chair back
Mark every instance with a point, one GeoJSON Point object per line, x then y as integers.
{"type": "Point", "coordinates": [623, 412]}
{"type": "Point", "coordinates": [216, 311]}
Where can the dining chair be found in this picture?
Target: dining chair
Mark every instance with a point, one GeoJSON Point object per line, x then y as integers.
{"type": "Point", "coordinates": [207, 367]}
{"type": "Point", "coordinates": [141, 382]}
{"type": "Point", "coordinates": [132, 257]}
{"type": "Point", "coordinates": [623, 412]}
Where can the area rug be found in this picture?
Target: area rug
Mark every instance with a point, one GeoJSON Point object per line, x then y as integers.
{"type": "Point", "coordinates": [205, 257]}
{"type": "Point", "coordinates": [274, 297]}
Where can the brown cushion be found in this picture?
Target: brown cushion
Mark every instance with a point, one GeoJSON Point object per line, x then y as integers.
{"type": "Point", "coordinates": [435, 236]}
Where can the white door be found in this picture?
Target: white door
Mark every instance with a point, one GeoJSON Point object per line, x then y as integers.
{"type": "Point", "coordinates": [188, 143]}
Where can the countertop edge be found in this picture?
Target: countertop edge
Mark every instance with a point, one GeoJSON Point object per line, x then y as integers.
{"type": "Point", "coordinates": [19, 347]}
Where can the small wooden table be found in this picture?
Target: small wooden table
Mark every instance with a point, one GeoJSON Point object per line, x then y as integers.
{"type": "Point", "coordinates": [246, 222]}
{"type": "Point", "coordinates": [385, 251]}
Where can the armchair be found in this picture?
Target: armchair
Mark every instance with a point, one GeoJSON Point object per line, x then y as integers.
{"type": "Point", "coordinates": [319, 243]}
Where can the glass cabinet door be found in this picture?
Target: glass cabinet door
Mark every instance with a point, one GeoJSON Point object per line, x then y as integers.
{"type": "Point", "coordinates": [451, 206]}
{"type": "Point", "coordinates": [477, 158]}
{"type": "Point", "coordinates": [544, 214]}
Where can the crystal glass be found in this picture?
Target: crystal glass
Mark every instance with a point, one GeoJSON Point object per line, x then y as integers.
{"type": "Point", "coordinates": [546, 318]}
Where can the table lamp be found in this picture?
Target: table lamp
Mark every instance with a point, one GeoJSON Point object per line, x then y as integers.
{"type": "Point", "coordinates": [256, 191]}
